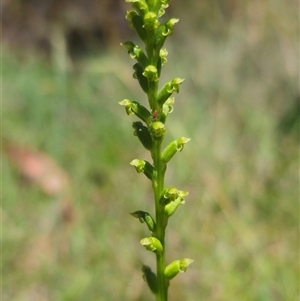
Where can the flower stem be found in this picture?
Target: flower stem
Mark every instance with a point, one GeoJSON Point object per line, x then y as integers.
{"type": "Point", "coordinates": [161, 221]}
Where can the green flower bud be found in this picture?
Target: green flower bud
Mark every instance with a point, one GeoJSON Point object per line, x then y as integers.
{"type": "Point", "coordinates": [151, 73]}
{"type": "Point", "coordinates": [145, 217]}
{"type": "Point", "coordinates": [137, 53]}
{"type": "Point", "coordinates": [151, 21]}
{"type": "Point", "coordinates": [143, 134]}
{"type": "Point", "coordinates": [136, 22]}
{"type": "Point", "coordinates": [143, 166]}
{"type": "Point", "coordinates": [150, 278]}
{"type": "Point", "coordinates": [177, 266]}
{"type": "Point", "coordinates": [157, 130]}
{"type": "Point", "coordinates": [167, 90]}
{"type": "Point", "coordinates": [138, 74]}
{"type": "Point", "coordinates": [174, 147]}
{"type": "Point", "coordinates": [152, 244]}
{"type": "Point", "coordinates": [133, 107]}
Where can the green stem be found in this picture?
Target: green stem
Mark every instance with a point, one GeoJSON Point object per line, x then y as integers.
{"type": "Point", "coordinates": [161, 221]}
{"type": "Point", "coordinates": [158, 186]}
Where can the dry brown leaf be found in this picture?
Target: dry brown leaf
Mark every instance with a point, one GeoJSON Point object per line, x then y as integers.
{"type": "Point", "coordinates": [39, 168]}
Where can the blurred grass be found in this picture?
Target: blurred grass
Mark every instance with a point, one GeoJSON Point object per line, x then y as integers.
{"type": "Point", "coordinates": [240, 221]}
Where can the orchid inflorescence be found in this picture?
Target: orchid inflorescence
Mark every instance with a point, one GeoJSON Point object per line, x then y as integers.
{"type": "Point", "coordinates": [144, 18]}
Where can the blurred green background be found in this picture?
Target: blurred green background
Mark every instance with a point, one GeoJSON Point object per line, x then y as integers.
{"type": "Point", "coordinates": [63, 74]}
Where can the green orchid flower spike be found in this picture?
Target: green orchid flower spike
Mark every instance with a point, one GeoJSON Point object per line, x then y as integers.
{"type": "Point", "coordinates": [150, 129]}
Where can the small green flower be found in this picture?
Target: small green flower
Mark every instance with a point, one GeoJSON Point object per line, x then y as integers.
{"type": "Point", "coordinates": [163, 31]}
{"type": "Point", "coordinates": [151, 73]}
{"type": "Point", "coordinates": [137, 23]}
{"type": "Point", "coordinates": [152, 244]}
{"type": "Point", "coordinates": [177, 266]}
{"type": "Point", "coordinates": [137, 53]}
{"type": "Point", "coordinates": [143, 166]}
{"type": "Point", "coordinates": [169, 26]}
{"type": "Point", "coordinates": [157, 130]}
{"type": "Point", "coordinates": [168, 89]}
{"type": "Point", "coordinates": [171, 207]}
{"type": "Point", "coordinates": [161, 11]}
{"type": "Point", "coordinates": [163, 55]}
{"type": "Point", "coordinates": [133, 107]}
{"type": "Point", "coordinates": [173, 196]}
{"type": "Point", "coordinates": [173, 147]}
{"type": "Point", "coordinates": [169, 194]}
{"type": "Point", "coordinates": [140, 5]}
{"type": "Point", "coordinates": [150, 21]}
{"type": "Point", "coordinates": [167, 109]}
